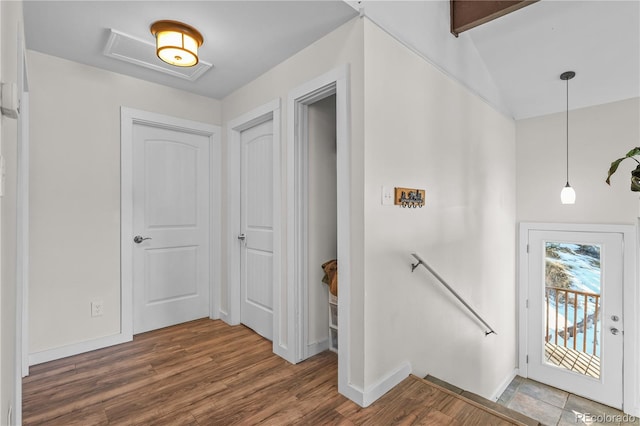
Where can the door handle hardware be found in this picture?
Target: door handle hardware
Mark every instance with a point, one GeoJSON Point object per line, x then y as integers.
{"type": "Point", "coordinates": [615, 318]}
{"type": "Point", "coordinates": [139, 238]}
{"type": "Point", "coordinates": [242, 237]}
{"type": "Point", "coordinates": [614, 331]}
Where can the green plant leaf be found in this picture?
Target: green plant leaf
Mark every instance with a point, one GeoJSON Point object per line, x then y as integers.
{"type": "Point", "coordinates": [615, 164]}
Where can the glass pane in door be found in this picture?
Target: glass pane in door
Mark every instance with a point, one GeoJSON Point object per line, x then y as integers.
{"type": "Point", "coordinates": [572, 307]}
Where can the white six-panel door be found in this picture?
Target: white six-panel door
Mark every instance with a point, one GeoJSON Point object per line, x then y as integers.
{"type": "Point", "coordinates": [256, 224]}
{"type": "Point", "coordinates": [171, 215]}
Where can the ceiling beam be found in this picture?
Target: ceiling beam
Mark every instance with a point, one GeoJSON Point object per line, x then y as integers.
{"type": "Point", "coordinates": [467, 14]}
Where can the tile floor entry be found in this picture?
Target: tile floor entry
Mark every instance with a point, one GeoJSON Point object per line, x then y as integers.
{"type": "Point", "coordinates": [554, 407]}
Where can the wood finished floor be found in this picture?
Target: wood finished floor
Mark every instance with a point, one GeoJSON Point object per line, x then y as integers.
{"type": "Point", "coordinates": [208, 373]}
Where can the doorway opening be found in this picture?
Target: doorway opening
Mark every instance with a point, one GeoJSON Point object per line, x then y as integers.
{"type": "Point", "coordinates": [320, 316]}
{"type": "Point", "coordinates": [302, 344]}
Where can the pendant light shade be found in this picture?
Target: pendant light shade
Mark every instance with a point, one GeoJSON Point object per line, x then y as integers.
{"type": "Point", "coordinates": [177, 43]}
{"type": "Point", "coordinates": [568, 194]}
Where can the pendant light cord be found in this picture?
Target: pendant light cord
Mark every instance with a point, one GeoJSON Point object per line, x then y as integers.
{"type": "Point", "coordinates": [567, 131]}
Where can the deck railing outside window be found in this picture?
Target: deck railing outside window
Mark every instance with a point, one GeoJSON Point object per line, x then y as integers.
{"type": "Point", "coordinates": [572, 319]}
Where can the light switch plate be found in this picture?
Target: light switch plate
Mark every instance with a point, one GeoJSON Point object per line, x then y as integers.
{"type": "Point", "coordinates": [388, 193]}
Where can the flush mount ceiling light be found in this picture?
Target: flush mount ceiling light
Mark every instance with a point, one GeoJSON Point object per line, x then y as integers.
{"type": "Point", "coordinates": [568, 195]}
{"type": "Point", "coordinates": [177, 43]}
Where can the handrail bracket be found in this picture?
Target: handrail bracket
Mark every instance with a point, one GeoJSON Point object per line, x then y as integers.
{"type": "Point", "coordinates": [415, 265]}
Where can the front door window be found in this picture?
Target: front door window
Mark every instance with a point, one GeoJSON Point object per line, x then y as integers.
{"type": "Point", "coordinates": [573, 304]}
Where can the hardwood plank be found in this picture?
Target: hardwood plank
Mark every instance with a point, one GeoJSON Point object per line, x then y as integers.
{"type": "Point", "coordinates": [206, 372]}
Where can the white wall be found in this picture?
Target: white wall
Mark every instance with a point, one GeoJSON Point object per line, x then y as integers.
{"type": "Point", "coordinates": [597, 136]}
{"type": "Point", "coordinates": [11, 16]}
{"type": "Point", "coordinates": [75, 192]}
{"type": "Point", "coordinates": [323, 231]}
{"type": "Point", "coordinates": [342, 46]}
{"type": "Point", "coordinates": [423, 130]}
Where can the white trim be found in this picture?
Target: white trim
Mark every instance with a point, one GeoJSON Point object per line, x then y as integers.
{"type": "Point", "coordinates": [126, 223]}
{"type": "Point", "coordinates": [215, 222]}
{"type": "Point", "coordinates": [631, 304]}
{"type": "Point", "coordinates": [270, 110]}
{"type": "Point", "coordinates": [22, 241]}
{"type": "Point", "coordinates": [21, 360]}
{"type": "Point", "coordinates": [384, 385]}
{"type": "Point", "coordinates": [522, 291]}
{"type": "Point", "coordinates": [317, 347]}
{"type": "Point", "coordinates": [337, 78]}
{"type": "Point", "coordinates": [504, 385]}
{"type": "Point", "coordinates": [77, 348]}
{"type": "Point", "coordinates": [129, 117]}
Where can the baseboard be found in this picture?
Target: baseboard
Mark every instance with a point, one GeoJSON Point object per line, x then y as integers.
{"type": "Point", "coordinates": [504, 385]}
{"type": "Point", "coordinates": [77, 348]}
{"type": "Point", "coordinates": [352, 392]}
{"type": "Point", "coordinates": [386, 384]}
{"type": "Point", "coordinates": [283, 352]}
{"type": "Point", "coordinates": [364, 398]}
{"type": "Point", "coordinates": [317, 347]}
{"type": "Point", "coordinates": [224, 316]}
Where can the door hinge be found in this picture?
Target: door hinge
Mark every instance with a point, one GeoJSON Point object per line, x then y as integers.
{"type": "Point", "coordinates": [527, 304]}
{"type": "Point", "coordinates": [527, 361]}
{"type": "Point", "coordinates": [527, 248]}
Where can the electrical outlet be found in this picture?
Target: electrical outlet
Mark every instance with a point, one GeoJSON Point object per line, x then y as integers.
{"type": "Point", "coordinates": [97, 308]}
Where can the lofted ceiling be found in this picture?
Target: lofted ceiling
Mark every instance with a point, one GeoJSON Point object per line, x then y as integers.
{"type": "Point", "coordinates": [513, 62]}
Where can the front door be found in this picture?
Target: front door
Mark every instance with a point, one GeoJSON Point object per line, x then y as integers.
{"type": "Point", "coordinates": [575, 322]}
{"type": "Point", "coordinates": [256, 224]}
{"type": "Point", "coordinates": [171, 227]}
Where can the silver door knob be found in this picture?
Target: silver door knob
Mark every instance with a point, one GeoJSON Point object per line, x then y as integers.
{"type": "Point", "coordinates": [615, 318]}
{"type": "Point", "coordinates": [614, 331]}
{"type": "Point", "coordinates": [139, 238]}
{"type": "Point", "coordinates": [242, 237]}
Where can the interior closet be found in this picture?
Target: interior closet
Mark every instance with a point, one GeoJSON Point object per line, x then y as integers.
{"type": "Point", "coordinates": [322, 221]}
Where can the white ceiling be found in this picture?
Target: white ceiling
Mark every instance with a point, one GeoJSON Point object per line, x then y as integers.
{"type": "Point", "coordinates": [514, 62]}
{"type": "Point", "coordinates": [242, 39]}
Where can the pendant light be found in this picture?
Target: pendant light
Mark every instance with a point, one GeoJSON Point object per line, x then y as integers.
{"type": "Point", "coordinates": [177, 43]}
{"type": "Point", "coordinates": [568, 195]}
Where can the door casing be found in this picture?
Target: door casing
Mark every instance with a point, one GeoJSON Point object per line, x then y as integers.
{"type": "Point", "coordinates": [129, 117]}
{"type": "Point", "coordinates": [333, 82]}
{"type": "Point", "coordinates": [630, 301]}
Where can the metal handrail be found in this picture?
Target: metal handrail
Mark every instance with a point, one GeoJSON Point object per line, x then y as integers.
{"type": "Point", "coordinates": [444, 283]}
